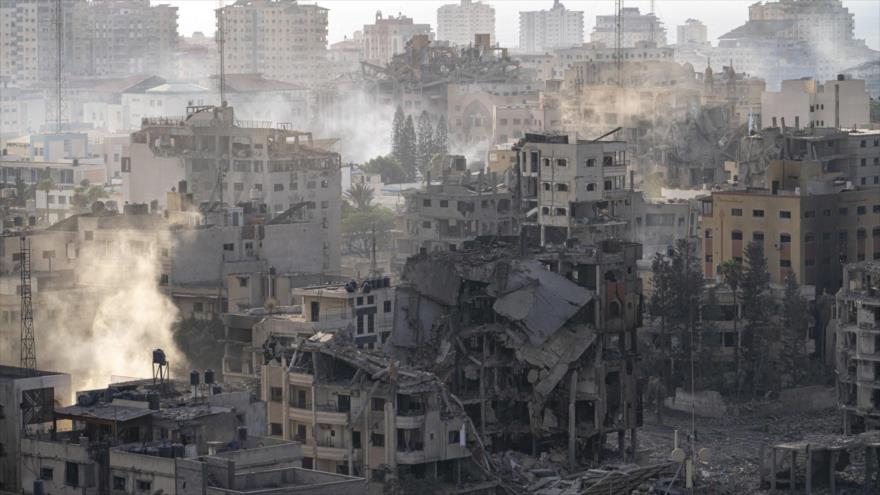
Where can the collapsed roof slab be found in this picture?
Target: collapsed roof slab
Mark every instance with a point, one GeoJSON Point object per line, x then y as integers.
{"type": "Point", "coordinates": [552, 359]}
{"type": "Point", "coordinates": [538, 300]}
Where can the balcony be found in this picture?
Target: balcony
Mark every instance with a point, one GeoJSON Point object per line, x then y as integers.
{"type": "Point", "coordinates": [300, 378]}
{"type": "Point", "coordinates": [300, 415]}
{"type": "Point", "coordinates": [331, 452]}
{"type": "Point", "coordinates": [410, 421]}
{"type": "Point", "coordinates": [411, 457]}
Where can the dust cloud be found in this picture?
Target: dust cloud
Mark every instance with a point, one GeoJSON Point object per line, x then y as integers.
{"type": "Point", "coordinates": [109, 323]}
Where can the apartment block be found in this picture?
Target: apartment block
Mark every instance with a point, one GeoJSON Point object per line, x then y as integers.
{"type": "Point", "coordinates": [808, 223]}
{"type": "Point", "coordinates": [459, 24]}
{"type": "Point", "coordinates": [692, 32]}
{"type": "Point", "coordinates": [228, 161]}
{"type": "Point", "coordinates": [280, 39]}
{"type": "Point", "coordinates": [637, 27]}
{"type": "Point", "coordinates": [361, 413]}
{"type": "Point", "coordinates": [26, 403]}
{"type": "Point", "coordinates": [858, 347]}
{"type": "Point", "coordinates": [544, 30]}
{"type": "Point", "coordinates": [564, 180]}
{"type": "Point", "coordinates": [839, 103]}
{"type": "Point", "coordinates": [389, 36]}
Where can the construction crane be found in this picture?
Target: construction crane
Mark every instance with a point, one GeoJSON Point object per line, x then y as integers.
{"type": "Point", "coordinates": [28, 363]}
{"type": "Point", "coordinates": [55, 119]}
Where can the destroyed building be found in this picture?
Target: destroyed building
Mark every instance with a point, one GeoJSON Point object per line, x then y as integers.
{"type": "Point", "coordinates": [460, 208]}
{"type": "Point", "coordinates": [858, 347]}
{"type": "Point", "coordinates": [360, 413]}
{"type": "Point", "coordinates": [225, 160]}
{"type": "Point", "coordinates": [540, 348]}
{"type": "Point", "coordinates": [364, 311]}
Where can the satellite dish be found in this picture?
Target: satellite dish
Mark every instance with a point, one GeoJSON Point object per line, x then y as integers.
{"type": "Point", "coordinates": [704, 455]}
{"type": "Point", "coordinates": [678, 455]}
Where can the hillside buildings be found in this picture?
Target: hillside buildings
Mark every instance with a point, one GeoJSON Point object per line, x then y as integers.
{"type": "Point", "coordinates": [283, 40]}
{"type": "Point", "coordinates": [637, 27]}
{"type": "Point", "coordinates": [458, 24]}
{"type": "Point", "coordinates": [544, 30]}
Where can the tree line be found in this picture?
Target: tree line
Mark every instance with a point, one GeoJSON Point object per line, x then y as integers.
{"type": "Point", "coordinates": [413, 148]}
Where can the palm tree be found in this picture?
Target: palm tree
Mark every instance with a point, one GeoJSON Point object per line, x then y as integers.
{"type": "Point", "coordinates": [360, 196]}
{"type": "Point", "coordinates": [46, 184]}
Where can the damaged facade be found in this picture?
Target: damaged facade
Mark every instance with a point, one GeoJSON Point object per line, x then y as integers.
{"type": "Point", "coordinates": [858, 347]}
{"type": "Point", "coordinates": [361, 413]}
{"type": "Point", "coordinates": [541, 348]}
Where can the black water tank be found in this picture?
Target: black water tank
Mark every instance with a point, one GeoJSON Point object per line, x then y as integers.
{"type": "Point", "coordinates": [209, 377]}
{"type": "Point", "coordinates": [242, 434]}
{"type": "Point", "coordinates": [181, 187]}
{"type": "Point", "coordinates": [194, 377]}
{"type": "Point", "coordinates": [166, 451]}
{"type": "Point", "coordinates": [158, 356]}
{"type": "Point", "coordinates": [179, 450]}
{"type": "Point", "coordinates": [153, 401]}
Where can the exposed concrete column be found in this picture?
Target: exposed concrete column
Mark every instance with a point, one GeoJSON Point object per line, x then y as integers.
{"type": "Point", "coordinates": [572, 423]}
{"type": "Point", "coordinates": [366, 436]}
{"type": "Point", "coordinates": [633, 442]}
{"type": "Point", "coordinates": [772, 468]}
{"type": "Point", "coordinates": [808, 471]}
{"type": "Point", "coordinates": [793, 471]}
{"type": "Point", "coordinates": [832, 482]}
{"type": "Point", "coordinates": [314, 410]}
{"type": "Point", "coordinates": [483, 389]}
{"type": "Point", "coordinates": [285, 400]}
{"type": "Point", "coordinates": [621, 444]}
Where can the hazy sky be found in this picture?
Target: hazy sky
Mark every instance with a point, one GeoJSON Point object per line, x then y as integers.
{"type": "Point", "coordinates": [346, 16]}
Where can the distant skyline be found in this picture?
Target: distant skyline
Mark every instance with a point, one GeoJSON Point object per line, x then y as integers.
{"type": "Point", "coordinates": [347, 16]}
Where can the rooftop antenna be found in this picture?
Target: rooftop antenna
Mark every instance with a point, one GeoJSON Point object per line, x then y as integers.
{"type": "Point", "coordinates": [653, 22]}
{"type": "Point", "coordinates": [374, 268]}
{"type": "Point", "coordinates": [28, 362]}
{"type": "Point", "coordinates": [221, 44]}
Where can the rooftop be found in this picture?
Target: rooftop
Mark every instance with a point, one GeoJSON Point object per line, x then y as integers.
{"type": "Point", "coordinates": [11, 373]}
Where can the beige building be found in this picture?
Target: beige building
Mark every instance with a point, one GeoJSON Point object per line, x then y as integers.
{"type": "Point", "coordinates": [839, 104]}
{"type": "Point", "coordinates": [388, 36]}
{"type": "Point", "coordinates": [458, 24]}
{"type": "Point", "coordinates": [692, 32]}
{"type": "Point", "coordinates": [283, 39]}
{"type": "Point", "coordinates": [808, 224]}
{"type": "Point", "coordinates": [394, 421]}
{"type": "Point", "coordinates": [637, 27]}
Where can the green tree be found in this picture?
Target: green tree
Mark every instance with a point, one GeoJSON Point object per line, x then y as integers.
{"type": "Point", "coordinates": [360, 196]}
{"type": "Point", "coordinates": [85, 196]}
{"type": "Point", "coordinates": [756, 307]}
{"type": "Point", "coordinates": [424, 142]}
{"type": "Point", "coordinates": [21, 192]}
{"type": "Point", "coordinates": [397, 133]}
{"type": "Point", "coordinates": [408, 149]}
{"type": "Point", "coordinates": [731, 272]}
{"type": "Point", "coordinates": [440, 141]}
{"type": "Point", "coordinates": [358, 227]}
{"type": "Point", "coordinates": [388, 167]}
{"type": "Point", "coordinates": [201, 342]}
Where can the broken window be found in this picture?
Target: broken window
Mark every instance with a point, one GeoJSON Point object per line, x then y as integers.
{"type": "Point", "coordinates": [71, 474]}
{"type": "Point", "coordinates": [377, 404]}
{"type": "Point", "coordinates": [118, 483]}
{"type": "Point", "coordinates": [377, 440]}
{"type": "Point", "coordinates": [275, 430]}
{"type": "Point", "coordinates": [144, 485]}
{"type": "Point", "coordinates": [275, 394]}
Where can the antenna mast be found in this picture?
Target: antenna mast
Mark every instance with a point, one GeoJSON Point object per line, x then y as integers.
{"type": "Point", "coordinates": [653, 22]}
{"type": "Point", "coordinates": [28, 362]}
{"type": "Point", "coordinates": [618, 40]}
{"type": "Point", "coordinates": [57, 117]}
{"type": "Point", "coordinates": [221, 44]}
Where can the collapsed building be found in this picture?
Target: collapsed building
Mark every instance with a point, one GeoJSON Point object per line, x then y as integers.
{"type": "Point", "coordinates": [540, 348]}
{"type": "Point", "coordinates": [358, 412]}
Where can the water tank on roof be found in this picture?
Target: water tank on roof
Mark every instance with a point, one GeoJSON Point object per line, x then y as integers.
{"type": "Point", "coordinates": [194, 378]}
{"type": "Point", "coordinates": [166, 451]}
{"type": "Point", "coordinates": [158, 356]}
{"type": "Point", "coordinates": [209, 377]}
{"type": "Point", "coordinates": [179, 450]}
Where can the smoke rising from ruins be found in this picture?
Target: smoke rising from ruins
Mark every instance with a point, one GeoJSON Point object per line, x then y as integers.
{"type": "Point", "coordinates": [109, 324]}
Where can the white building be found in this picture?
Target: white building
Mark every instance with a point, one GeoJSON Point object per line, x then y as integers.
{"type": "Point", "coordinates": [458, 24]}
{"type": "Point", "coordinates": [692, 32]}
{"type": "Point", "coordinates": [806, 103]}
{"type": "Point", "coordinates": [388, 36]}
{"type": "Point", "coordinates": [280, 39]}
{"type": "Point", "coordinates": [548, 29]}
{"type": "Point", "coordinates": [636, 27]}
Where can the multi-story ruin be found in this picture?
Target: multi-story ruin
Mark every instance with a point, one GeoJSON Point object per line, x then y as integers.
{"type": "Point", "coordinates": [858, 347]}
{"type": "Point", "coordinates": [540, 348]}
{"type": "Point", "coordinates": [361, 413]}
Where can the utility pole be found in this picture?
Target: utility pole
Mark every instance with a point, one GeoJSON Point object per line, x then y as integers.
{"type": "Point", "coordinates": [28, 363]}
{"type": "Point", "coordinates": [618, 40]}
{"type": "Point", "coordinates": [221, 44]}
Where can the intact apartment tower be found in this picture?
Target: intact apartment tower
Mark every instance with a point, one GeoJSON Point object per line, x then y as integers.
{"type": "Point", "coordinates": [636, 27]}
{"type": "Point", "coordinates": [388, 37]}
{"type": "Point", "coordinates": [280, 39]}
{"type": "Point", "coordinates": [544, 30]}
{"type": "Point", "coordinates": [839, 103]}
{"type": "Point", "coordinates": [103, 38]}
{"type": "Point", "coordinates": [692, 32]}
{"type": "Point", "coordinates": [458, 24]}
